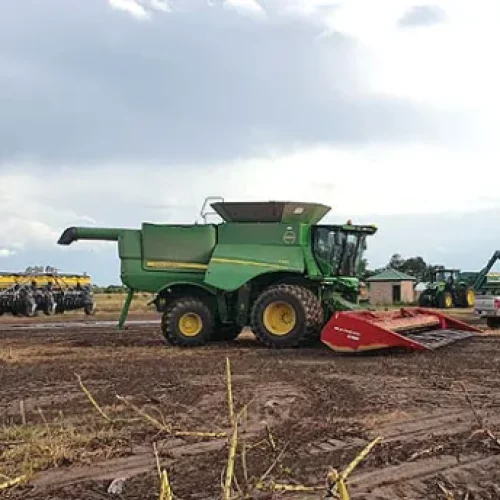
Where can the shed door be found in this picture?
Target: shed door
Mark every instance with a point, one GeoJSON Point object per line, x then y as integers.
{"type": "Point", "coordinates": [396, 293]}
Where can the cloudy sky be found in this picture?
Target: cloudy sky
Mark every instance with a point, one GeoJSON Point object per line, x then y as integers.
{"type": "Point", "coordinates": [114, 112]}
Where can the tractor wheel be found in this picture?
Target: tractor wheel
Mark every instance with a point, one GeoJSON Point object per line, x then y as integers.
{"type": "Point", "coordinates": [446, 300]}
{"type": "Point", "coordinates": [226, 333]}
{"type": "Point", "coordinates": [424, 301]}
{"type": "Point", "coordinates": [469, 297]}
{"type": "Point", "coordinates": [188, 322]}
{"type": "Point", "coordinates": [286, 316]}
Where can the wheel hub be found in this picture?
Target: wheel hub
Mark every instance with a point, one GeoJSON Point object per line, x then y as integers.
{"type": "Point", "coordinates": [190, 324]}
{"type": "Point", "coordinates": [279, 318]}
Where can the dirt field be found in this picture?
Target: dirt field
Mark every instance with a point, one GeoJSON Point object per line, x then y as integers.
{"type": "Point", "coordinates": [309, 410]}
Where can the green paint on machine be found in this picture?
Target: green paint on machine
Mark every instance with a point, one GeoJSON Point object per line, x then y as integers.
{"type": "Point", "coordinates": [266, 265]}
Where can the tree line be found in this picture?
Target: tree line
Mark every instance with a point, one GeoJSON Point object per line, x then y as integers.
{"type": "Point", "coordinates": [414, 266]}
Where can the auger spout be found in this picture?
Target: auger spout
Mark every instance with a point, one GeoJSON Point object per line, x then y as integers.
{"type": "Point", "coordinates": [72, 234]}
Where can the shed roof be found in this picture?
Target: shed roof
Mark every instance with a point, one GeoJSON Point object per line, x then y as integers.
{"type": "Point", "coordinates": [390, 274]}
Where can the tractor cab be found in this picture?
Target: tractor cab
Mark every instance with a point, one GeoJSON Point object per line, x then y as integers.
{"type": "Point", "coordinates": [448, 276]}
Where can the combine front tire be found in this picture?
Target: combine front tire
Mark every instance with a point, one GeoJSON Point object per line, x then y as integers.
{"type": "Point", "coordinates": [286, 316]}
{"type": "Point", "coordinates": [188, 322]}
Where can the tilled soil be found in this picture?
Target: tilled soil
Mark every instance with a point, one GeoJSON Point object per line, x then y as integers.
{"type": "Point", "coordinates": [309, 410]}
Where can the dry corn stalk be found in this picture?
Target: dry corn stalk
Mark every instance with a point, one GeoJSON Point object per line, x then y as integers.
{"type": "Point", "coordinates": [229, 392]}
{"type": "Point", "coordinates": [337, 480]}
{"type": "Point", "coordinates": [93, 401]}
{"type": "Point", "coordinates": [234, 435]}
{"type": "Point", "coordinates": [449, 495]}
{"type": "Point", "coordinates": [166, 428]}
{"type": "Point", "coordinates": [165, 489]}
{"type": "Point", "coordinates": [295, 487]}
{"type": "Point", "coordinates": [12, 482]}
{"type": "Point", "coordinates": [230, 463]}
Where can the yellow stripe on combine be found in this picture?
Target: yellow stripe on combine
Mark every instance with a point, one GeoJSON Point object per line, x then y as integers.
{"type": "Point", "coordinates": [167, 264]}
{"type": "Point", "coordinates": [249, 263]}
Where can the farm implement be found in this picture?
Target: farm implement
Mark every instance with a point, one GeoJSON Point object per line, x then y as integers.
{"type": "Point", "coordinates": [412, 328]}
{"type": "Point", "coordinates": [454, 288]}
{"type": "Point", "coordinates": [27, 294]}
{"type": "Point", "coordinates": [270, 266]}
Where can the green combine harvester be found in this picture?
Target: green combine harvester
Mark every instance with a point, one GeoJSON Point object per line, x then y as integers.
{"type": "Point", "coordinates": [267, 265]}
{"type": "Point", "coordinates": [270, 266]}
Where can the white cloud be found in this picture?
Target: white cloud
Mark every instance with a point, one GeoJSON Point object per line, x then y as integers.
{"type": "Point", "coordinates": [246, 6]}
{"type": "Point", "coordinates": [132, 7]}
{"type": "Point", "coordinates": [372, 184]}
{"type": "Point", "coordinates": [160, 5]}
{"type": "Point", "coordinates": [447, 64]}
{"type": "Point", "coordinates": [6, 252]}
{"type": "Point", "coordinates": [365, 181]}
{"type": "Point", "coordinates": [34, 223]}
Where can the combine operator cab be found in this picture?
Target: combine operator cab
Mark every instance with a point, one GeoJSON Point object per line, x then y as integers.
{"type": "Point", "coordinates": [338, 249]}
{"type": "Point", "coordinates": [338, 252]}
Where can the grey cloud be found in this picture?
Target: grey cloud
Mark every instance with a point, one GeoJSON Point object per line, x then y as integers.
{"type": "Point", "coordinates": [200, 84]}
{"type": "Point", "coordinates": [422, 15]}
{"type": "Point", "coordinates": [436, 237]}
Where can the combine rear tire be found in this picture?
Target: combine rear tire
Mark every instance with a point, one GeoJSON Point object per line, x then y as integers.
{"type": "Point", "coordinates": [285, 316]}
{"type": "Point", "coordinates": [187, 322]}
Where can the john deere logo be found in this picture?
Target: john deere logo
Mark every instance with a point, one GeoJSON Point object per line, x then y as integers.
{"type": "Point", "coordinates": [289, 237]}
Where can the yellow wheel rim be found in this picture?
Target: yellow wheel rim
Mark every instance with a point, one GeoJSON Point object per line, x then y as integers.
{"type": "Point", "coordinates": [279, 318]}
{"type": "Point", "coordinates": [470, 298]}
{"type": "Point", "coordinates": [448, 301]}
{"type": "Point", "coordinates": [190, 324]}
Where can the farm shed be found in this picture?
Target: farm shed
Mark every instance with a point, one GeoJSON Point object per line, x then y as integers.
{"type": "Point", "coordinates": [391, 287]}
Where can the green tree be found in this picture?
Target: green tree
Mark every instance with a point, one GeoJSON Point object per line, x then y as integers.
{"type": "Point", "coordinates": [414, 266]}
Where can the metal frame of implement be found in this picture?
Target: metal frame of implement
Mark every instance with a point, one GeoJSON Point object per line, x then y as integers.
{"type": "Point", "coordinates": [408, 327]}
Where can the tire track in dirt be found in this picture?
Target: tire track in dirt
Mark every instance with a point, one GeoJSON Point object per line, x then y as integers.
{"type": "Point", "coordinates": [408, 431]}
{"type": "Point", "coordinates": [328, 407]}
{"type": "Point", "coordinates": [142, 461]}
{"type": "Point", "coordinates": [410, 479]}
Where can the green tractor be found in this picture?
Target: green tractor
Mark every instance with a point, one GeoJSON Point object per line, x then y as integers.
{"type": "Point", "coordinates": [447, 289]}
{"type": "Point", "coordinates": [267, 265]}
